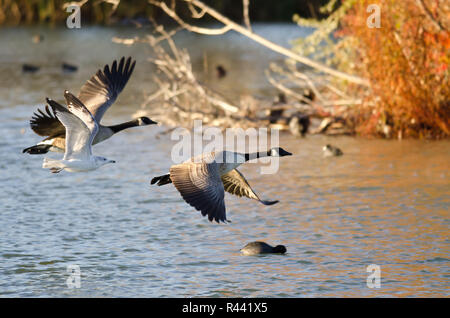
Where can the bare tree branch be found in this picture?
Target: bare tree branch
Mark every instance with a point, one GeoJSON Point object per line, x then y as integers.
{"type": "Point", "coordinates": [245, 4]}
{"type": "Point", "coordinates": [230, 25]}
{"type": "Point", "coordinates": [74, 3]}
{"type": "Point", "coordinates": [171, 13]}
{"type": "Point", "coordinates": [195, 13]}
{"type": "Point", "coordinates": [428, 14]}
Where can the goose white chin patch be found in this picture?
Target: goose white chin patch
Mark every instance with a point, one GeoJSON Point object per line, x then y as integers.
{"type": "Point", "coordinates": [274, 152]}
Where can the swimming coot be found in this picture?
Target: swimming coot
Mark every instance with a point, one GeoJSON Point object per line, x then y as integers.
{"type": "Point", "coordinates": [255, 248]}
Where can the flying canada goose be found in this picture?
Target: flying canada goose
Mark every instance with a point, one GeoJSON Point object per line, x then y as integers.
{"type": "Point", "coordinates": [329, 151]}
{"type": "Point", "coordinates": [97, 94]}
{"type": "Point", "coordinates": [81, 128]}
{"type": "Point", "coordinates": [255, 248]}
{"type": "Point", "coordinates": [203, 180]}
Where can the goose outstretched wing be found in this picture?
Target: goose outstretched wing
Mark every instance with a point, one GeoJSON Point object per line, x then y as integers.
{"type": "Point", "coordinates": [200, 185]}
{"type": "Point", "coordinates": [102, 89]}
{"type": "Point", "coordinates": [235, 183]}
{"type": "Point", "coordinates": [45, 124]}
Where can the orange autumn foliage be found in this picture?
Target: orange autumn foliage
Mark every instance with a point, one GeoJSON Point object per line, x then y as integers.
{"type": "Point", "coordinates": [407, 62]}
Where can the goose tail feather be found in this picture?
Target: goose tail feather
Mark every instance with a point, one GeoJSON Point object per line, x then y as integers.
{"type": "Point", "coordinates": [161, 180]}
{"type": "Point", "coordinates": [37, 149]}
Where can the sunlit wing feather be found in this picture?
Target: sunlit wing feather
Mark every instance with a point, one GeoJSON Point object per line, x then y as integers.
{"type": "Point", "coordinates": [102, 89]}
{"type": "Point", "coordinates": [78, 135]}
{"type": "Point", "coordinates": [77, 108]}
{"type": "Point", "coordinates": [46, 124]}
{"type": "Point", "coordinates": [235, 183]}
{"type": "Point", "coordinates": [200, 185]}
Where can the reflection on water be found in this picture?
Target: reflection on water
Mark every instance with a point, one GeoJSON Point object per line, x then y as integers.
{"type": "Point", "coordinates": [383, 202]}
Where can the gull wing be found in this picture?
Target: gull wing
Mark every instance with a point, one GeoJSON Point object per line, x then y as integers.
{"type": "Point", "coordinates": [102, 89]}
{"type": "Point", "coordinates": [77, 108]}
{"type": "Point", "coordinates": [235, 183]}
{"type": "Point", "coordinates": [78, 135]}
{"type": "Point", "coordinates": [200, 185]}
{"type": "Point", "coordinates": [46, 124]}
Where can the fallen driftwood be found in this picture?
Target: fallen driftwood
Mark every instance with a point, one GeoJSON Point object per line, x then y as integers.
{"type": "Point", "coordinates": [181, 98]}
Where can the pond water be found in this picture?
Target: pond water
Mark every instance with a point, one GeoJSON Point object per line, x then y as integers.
{"type": "Point", "coordinates": [382, 202]}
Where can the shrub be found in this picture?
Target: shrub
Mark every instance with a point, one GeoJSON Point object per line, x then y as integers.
{"type": "Point", "coordinates": [406, 61]}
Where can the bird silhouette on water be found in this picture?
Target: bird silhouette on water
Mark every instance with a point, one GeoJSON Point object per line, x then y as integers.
{"type": "Point", "coordinates": [256, 248]}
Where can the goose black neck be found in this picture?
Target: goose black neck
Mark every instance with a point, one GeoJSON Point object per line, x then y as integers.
{"type": "Point", "coordinates": [128, 124]}
{"type": "Point", "coordinates": [256, 155]}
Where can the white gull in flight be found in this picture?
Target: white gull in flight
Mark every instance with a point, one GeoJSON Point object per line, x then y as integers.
{"type": "Point", "coordinates": [97, 94]}
{"type": "Point", "coordinates": [81, 129]}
